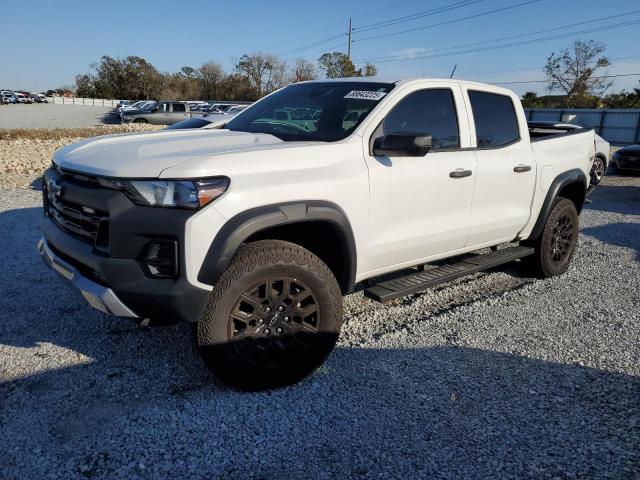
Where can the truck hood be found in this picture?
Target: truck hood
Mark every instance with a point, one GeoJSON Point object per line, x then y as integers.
{"type": "Point", "coordinates": [146, 155]}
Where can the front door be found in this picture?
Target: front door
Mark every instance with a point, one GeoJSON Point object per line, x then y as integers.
{"type": "Point", "coordinates": [420, 205]}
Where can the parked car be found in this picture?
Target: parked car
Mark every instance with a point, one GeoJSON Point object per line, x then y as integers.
{"type": "Point", "coordinates": [135, 106]}
{"type": "Point", "coordinates": [603, 148]}
{"type": "Point", "coordinates": [143, 106]}
{"type": "Point", "coordinates": [255, 231]}
{"type": "Point", "coordinates": [205, 121]}
{"type": "Point", "coordinates": [9, 97]}
{"type": "Point", "coordinates": [164, 113]}
{"type": "Point", "coordinates": [20, 97]}
{"type": "Point", "coordinates": [43, 98]}
{"type": "Point", "coordinates": [626, 159]}
{"type": "Point", "coordinates": [147, 107]}
{"type": "Point", "coordinates": [128, 106]}
{"type": "Point", "coordinates": [122, 103]}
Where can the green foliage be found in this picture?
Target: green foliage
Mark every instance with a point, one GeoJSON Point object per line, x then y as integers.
{"type": "Point", "coordinates": [338, 65]}
{"type": "Point", "coordinates": [574, 72]}
{"type": "Point", "coordinates": [623, 99]}
{"type": "Point", "coordinates": [254, 75]}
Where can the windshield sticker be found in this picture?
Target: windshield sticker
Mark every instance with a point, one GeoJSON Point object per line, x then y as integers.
{"type": "Point", "coordinates": [365, 95]}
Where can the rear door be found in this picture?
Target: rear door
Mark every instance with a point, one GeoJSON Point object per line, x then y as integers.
{"type": "Point", "coordinates": [418, 206]}
{"type": "Point", "coordinates": [506, 168]}
{"type": "Point", "coordinates": [178, 113]}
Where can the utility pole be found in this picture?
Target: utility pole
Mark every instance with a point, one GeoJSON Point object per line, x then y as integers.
{"type": "Point", "coordinates": [349, 47]}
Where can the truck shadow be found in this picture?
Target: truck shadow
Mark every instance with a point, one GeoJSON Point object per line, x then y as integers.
{"type": "Point", "coordinates": [105, 397]}
{"type": "Point", "coordinates": [621, 234]}
{"type": "Point", "coordinates": [616, 198]}
{"type": "Point", "coordinates": [110, 118]}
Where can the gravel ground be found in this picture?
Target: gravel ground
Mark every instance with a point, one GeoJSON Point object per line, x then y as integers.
{"type": "Point", "coordinates": [49, 115]}
{"type": "Point", "coordinates": [495, 376]}
{"type": "Point", "coordinates": [25, 152]}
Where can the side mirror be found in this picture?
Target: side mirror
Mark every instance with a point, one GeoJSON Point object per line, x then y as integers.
{"type": "Point", "coordinates": [407, 145]}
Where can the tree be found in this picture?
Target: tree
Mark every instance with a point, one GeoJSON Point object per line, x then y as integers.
{"type": "Point", "coordinates": [264, 70]}
{"type": "Point", "coordinates": [211, 75]}
{"type": "Point", "coordinates": [303, 70]}
{"type": "Point", "coordinates": [370, 70]}
{"type": "Point", "coordinates": [574, 70]}
{"type": "Point", "coordinates": [623, 99]}
{"type": "Point", "coordinates": [84, 86]}
{"type": "Point", "coordinates": [237, 87]}
{"type": "Point", "coordinates": [531, 100]}
{"type": "Point", "coordinates": [110, 78]}
{"type": "Point", "coordinates": [142, 80]}
{"type": "Point", "coordinates": [338, 65]}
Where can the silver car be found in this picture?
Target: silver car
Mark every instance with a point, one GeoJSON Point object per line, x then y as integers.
{"type": "Point", "coordinates": [164, 113]}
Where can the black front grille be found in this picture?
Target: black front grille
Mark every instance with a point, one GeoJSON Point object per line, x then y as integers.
{"type": "Point", "coordinates": [85, 223]}
{"type": "Point", "coordinates": [629, 162]}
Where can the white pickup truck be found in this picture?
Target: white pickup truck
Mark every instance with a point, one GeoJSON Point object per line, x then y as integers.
{"type": "Point", "coordinates": [255, 231]}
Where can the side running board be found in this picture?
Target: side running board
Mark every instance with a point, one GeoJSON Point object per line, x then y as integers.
{"type": "Point", "coordinates": [419, 281]}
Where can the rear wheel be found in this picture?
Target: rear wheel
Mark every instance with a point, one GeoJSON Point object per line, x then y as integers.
{"type": "Point", "coordinates": [597, 171]}
{"type": "Point", "coordinates": [272, 318]}
{"type": "Point", "coordinates": [557, 243]}
{"type": "Point", "coordinates": [140, 120]}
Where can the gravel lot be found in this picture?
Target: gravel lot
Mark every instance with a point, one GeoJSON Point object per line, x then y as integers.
{"type": "Point", "coordinates": [48, 115]}
{"type": "Point", "coordinates": [497, 376]}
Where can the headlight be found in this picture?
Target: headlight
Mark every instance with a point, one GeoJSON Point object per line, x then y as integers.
{"type": "Point", "coordinates": [191, 194]}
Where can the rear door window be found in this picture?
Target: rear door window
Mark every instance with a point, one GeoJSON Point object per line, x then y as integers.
{"type": "Point", "coordinates": [179, 107]}
{"type": "Point", "coordinates": [495, 119]}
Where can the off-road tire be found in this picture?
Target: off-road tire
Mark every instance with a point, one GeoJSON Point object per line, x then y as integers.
{"type": "Point", "coordinates": [556, 245]}
{"type": "Point", "coordinates": [234, 362]}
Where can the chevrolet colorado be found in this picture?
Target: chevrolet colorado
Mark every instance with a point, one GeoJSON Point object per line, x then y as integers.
{"type": "Point", "coordinates": [255, 231]}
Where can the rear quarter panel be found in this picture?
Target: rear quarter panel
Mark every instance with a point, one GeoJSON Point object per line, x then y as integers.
{"type": "Point", "coordinates": [556, 155]}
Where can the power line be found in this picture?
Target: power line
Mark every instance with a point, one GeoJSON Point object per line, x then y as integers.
{"type": "Point", "coordinates": [315, 44]}
{"type": "Point", "coordinates": [414, 16]}
{"type": "Point", "coordinates": [513, 44]}
{"type": "Point", "coordinates": [545, 81]}
{"type": "Point", "coordinates": [384, 23]}
{"type": "Point", "coordinates": [533, 68]}
{"type": "Point", "coordinates": [512, 36]}
{"type": "Point", "coordinates": [448, 22]}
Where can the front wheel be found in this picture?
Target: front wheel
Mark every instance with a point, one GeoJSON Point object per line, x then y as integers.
{"type": "Point", "coordinates": [140, 120]}
{"type": "Point", "coordinates": [272, 318]}
{"type": "Point", "coordinates": [557, 243]}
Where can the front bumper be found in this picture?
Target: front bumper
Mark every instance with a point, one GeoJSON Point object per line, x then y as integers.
{"type": "Point", "coordinates": [626, 163]}
{"type": "Point", "coordinates": [98, 296]}
{"type": "Point", "coordinates": [113, 268]}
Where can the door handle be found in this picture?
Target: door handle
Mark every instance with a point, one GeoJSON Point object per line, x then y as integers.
{"type": "Point", "coordinates": [521, 168]}
{"type": "Point", "coordinates": [460, 173]}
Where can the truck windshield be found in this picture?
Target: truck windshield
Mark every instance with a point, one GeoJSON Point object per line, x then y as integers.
{"type": "Point", "coordinates": [312, 111]}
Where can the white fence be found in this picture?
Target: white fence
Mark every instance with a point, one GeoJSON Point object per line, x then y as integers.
{"type": "Point", "coordinates": [82, 101]}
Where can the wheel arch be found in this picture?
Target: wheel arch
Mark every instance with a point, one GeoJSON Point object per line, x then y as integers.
{"type": "Point", "coordinates": [572, 185]}
{"type": "Point", "coordinates": [319, 226]}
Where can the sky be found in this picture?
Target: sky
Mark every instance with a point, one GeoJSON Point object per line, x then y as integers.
{"type": "Point", "coordinates": [47, 50]}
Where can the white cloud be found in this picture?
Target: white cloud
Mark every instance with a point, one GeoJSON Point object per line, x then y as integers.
{"type": "Point", "coordinates": [412, 52]}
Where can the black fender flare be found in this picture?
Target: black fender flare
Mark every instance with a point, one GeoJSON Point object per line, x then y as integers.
{"type": "Point", "coordinates": [245, 224]}
{"type": "Point", "coordinates": [561, 181]}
